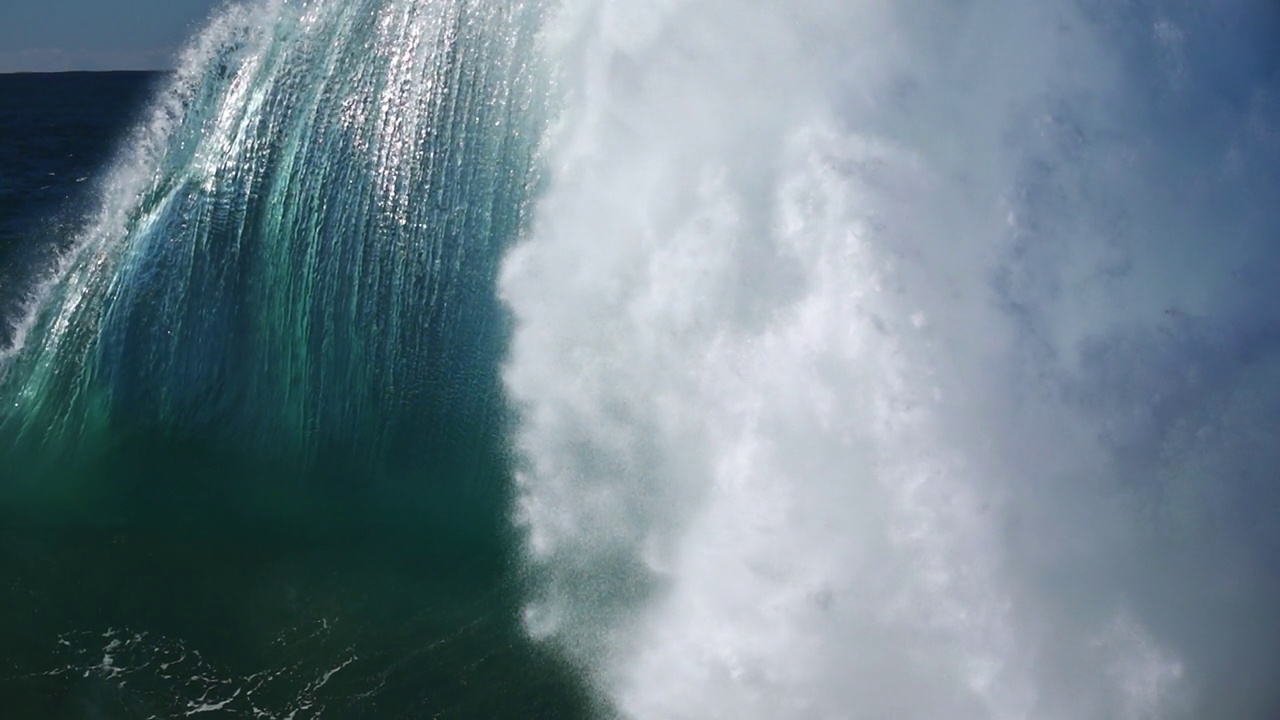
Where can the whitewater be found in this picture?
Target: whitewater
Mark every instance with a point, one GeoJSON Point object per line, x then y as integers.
{"type": "Point", "coordinates": [906, 359]}
{"type": "Point", "coordinates": [844, 359]}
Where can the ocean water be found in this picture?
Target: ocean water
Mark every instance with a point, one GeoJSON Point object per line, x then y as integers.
{"type": "Point", "coordinates": [666, 359]}
{"type": "Point", "coordinates": [169, 575]}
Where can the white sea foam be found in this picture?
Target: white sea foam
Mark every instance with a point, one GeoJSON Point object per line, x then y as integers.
{"type": "Point", "coordinates": [891, 359]}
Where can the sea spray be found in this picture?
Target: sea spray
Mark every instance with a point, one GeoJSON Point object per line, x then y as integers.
{"type": "Point", "coordinates": [882, 359]}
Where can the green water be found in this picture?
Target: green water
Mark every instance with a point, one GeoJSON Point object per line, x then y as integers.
{"type": "Point", "coordinates": [252, 442]}
{"type": "Point", "coordinates": [259, 619]}
{"type": "Point", "coordinates": [198, 583]}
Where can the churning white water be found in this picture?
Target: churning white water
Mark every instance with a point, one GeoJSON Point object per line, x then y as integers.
{"type": "Point", "coordinates": [911, 359]}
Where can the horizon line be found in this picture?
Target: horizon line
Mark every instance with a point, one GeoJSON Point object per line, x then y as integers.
{"type": "Point", "coordinates": [85, 72]}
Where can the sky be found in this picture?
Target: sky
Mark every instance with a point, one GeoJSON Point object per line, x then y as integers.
{"type": "Point", "coordinates": [58, 35]}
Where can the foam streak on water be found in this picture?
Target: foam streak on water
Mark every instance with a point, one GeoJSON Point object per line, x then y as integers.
{"type": "Point", "coordinates": [905, 359]}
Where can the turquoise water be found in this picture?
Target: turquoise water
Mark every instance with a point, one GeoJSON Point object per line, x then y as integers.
{"type": "Point", "coordinates": [252, 437]}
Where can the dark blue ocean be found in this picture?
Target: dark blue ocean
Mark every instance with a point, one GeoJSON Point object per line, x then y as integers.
{"type": "Point", "coordinates": [59, 131]}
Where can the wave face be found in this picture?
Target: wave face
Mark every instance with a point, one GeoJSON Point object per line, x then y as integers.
{"type": "Point", "coordinates": [906, 359]}
{"type": "Point", "coordinates": [251, 427]}
{"type": "Point", "coordinates": [295, 256]}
